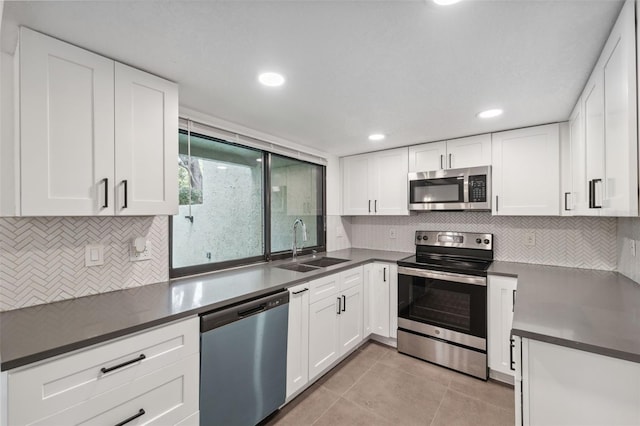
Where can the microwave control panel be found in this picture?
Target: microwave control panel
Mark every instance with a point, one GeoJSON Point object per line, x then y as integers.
{"type": "Point", "coordinates": [478, 189]}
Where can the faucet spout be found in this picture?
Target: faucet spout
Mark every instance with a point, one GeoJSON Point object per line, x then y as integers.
{"type": "Point", "coordinates": [294, 249]}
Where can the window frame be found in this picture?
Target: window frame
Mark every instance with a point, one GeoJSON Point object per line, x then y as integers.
{"type": "Point", "coordinates": [267, 254]}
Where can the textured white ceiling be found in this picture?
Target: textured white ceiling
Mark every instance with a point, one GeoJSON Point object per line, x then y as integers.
{"type": "Point", "coordinates": [411, 69]}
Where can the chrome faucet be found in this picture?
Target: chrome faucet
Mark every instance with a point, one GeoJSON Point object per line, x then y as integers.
{"type": "Point", "coordinates": [295, 249]}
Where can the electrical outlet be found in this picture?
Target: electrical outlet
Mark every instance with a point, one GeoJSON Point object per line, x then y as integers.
{"type": "Point", "coordinates": [392, 233]}
{"type": "Point", "coordinates": [632, 246]}
{"type": "Point", "coordinates": [529, 239]}
{"type": "Point", "coordinates": [135, 256]}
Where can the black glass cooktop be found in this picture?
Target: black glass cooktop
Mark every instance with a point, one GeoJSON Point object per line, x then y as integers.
{"type": "Point", "coordinates": [436, 262]}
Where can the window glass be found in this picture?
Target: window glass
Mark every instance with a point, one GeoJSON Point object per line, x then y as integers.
{"type": "Point", "coordinates": [296, 193]}
{"type": "Point", "coordinates": [221, 210]}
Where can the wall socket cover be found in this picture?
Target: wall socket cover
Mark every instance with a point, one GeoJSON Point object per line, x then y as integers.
{"type": "Point", "coordinates": [135, 256]}
{"type": "Point", "coordinates": [392, 233]}
{"type": "Point", "coordinates": [529, 239]}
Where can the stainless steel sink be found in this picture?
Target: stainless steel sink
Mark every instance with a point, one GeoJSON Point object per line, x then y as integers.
{"type": "Point", "coordinates": [323, 262]}
{"type": "Point", "coordinates": [298, 267]}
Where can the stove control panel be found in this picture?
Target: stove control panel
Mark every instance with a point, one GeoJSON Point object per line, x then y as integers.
{"type": "Point", "coordinates": [454, 239]}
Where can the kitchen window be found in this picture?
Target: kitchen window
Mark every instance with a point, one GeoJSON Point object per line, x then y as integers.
{"type": "Point", "coordinates": [237, 205]}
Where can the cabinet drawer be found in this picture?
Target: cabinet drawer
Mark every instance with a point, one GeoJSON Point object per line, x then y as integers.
{"type": "Point", "coordinates": [323, 287]}
{"type": "Point", "coordinates": [163, 397]}
{"type": "Point", "coordinates": [52, 386]}
{"type": "Point", "coordinates": [351, 278]}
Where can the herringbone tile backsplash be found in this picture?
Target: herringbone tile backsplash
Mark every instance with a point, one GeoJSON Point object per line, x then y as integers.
{"type": "Point", "coordinates": [42, 259]}
{"type": "Point", "coordinates": [580, 242]}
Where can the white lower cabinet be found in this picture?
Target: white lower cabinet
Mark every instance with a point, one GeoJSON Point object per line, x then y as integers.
{"type": "Point", "coordinates": [556, 385]}
{"type": "Point", "coordinates": [298, 339]}
{"type": "Point", "coordinates": [381, 297]}
{"type": "Point", "coordinates": [335, 321]}
{"type": "Point", "coordinates": [501, 298]}
{"type": "Point", "coordinates": [156, 371]}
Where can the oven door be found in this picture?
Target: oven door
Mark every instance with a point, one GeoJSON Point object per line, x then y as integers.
{"type": "Point", "coordinates": [447, 306]}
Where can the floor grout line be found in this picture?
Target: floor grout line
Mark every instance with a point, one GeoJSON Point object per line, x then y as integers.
{"type": "Point", "coordinates": [435, 415]}
{"type": "Point", "coordinates": [326, 411]}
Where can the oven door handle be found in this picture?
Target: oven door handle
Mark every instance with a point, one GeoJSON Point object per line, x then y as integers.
{"type": "Point", "coordinates": [443, 276]}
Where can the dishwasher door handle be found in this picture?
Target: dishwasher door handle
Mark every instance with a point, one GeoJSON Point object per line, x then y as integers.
{"type": "Point", "coordinates": [252, 311]}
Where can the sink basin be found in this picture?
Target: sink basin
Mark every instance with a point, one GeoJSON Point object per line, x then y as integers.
{"type": "Point", "coordinates": [323, 262]}
{"type": "Point", "coordinates": [298, 267]}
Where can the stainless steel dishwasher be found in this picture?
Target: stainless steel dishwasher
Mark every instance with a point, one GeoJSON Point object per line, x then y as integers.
{"type": "Point", "coordinates": [243, 361]}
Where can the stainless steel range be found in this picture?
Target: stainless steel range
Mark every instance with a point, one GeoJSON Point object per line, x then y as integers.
{"type": "Point", "coordinates": [442, 300]}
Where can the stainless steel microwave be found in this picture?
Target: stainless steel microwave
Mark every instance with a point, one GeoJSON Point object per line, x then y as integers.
{"type": "Point", "coordinates": [452, 189]}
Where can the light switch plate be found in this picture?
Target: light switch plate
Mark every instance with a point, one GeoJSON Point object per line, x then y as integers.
{"type": "Point", "coordinates": [94, 255]}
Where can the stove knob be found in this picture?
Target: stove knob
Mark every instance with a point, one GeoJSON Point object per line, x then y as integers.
{"type": "Point", "coordinates": [486, 241]}
{"type": "Point", "coordinates": [419, 237]}
{"type": "Point", "coordinates": [425, 238]}
{"type": "Point", "coordinates": [478, 240]}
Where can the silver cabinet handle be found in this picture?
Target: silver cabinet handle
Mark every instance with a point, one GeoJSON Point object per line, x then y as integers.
{"type": "Point", "coordinates": [375, 206]}
{"type": "Point", "coordinates": [369, 206]}
{"type": "Point", "coordinates": [449, 160]}
{"type": "Point", "coordinates": [497, 204]}
{"type": "Point", "coordinates": [125, 183]}
{"type": "Point", "coordinates": [339, 305]}
{"type": "Point", "coordinates": [301, 291]}
{"type": "Point", "coordinates": [441, 158]}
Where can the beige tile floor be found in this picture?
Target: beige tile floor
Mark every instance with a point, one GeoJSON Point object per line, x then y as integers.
{"type": "Point", "coordinates": [376, 385]}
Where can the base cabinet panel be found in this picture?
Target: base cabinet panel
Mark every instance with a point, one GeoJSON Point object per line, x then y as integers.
{"type": "Point", "coordinates": [564, 386]}
{"type": "Point", "coordinates": [298, 339]}
{"type": "Point", "coordinates": [501, 298]}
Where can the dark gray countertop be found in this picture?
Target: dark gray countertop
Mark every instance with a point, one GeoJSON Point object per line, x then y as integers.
{"type": "Point", "coordinates": [590, 310]}
{"type": "Point", "coordinates": [39, 332]}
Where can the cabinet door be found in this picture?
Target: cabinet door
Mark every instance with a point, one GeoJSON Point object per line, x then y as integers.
{"type": "Point", "coordinates": [578, 199]}
{"type": "Point", "coordinates": [355, 186]}
{"type": "Point", "coordinates": [66, 129]}
{"type": "Point", "coordinates": [390, 180]}
{"type": "Point", "coordinates": [427, 157]}
{"type": "Point", "coordinates": [526, 173]}
{"type": "Point", "coordinates": [324, 335]}
{"type": "Point", "coordinates": [367, 297]}
{"type": "Point", "coordinates": [594, 135]}
{"type": "Point", "coordinates": [620, 118]}
{"type": "Point", "coordinates": [501, 297]}
{"type": "Point", "coordinates": [393, 300]}
{"type": "Point", "coordinates": [351, 319]}
{"type": "Point", "coordinates": [146, 136]}
{"type": "Point", "coordinates": [380, 300]}
{"type": "Point", "coordinates": [469, 152]}
{"type": "Point", "coordinates": [298, 339]}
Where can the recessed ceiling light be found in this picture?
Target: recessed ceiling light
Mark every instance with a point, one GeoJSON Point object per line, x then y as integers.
{"type": "Point", "coordinates": [222, 167]}
{"type": "Point", "coordinates": [445, 2]}
{"type": "Point", "coordinates": [376, 137]}
{"type": "Point", "coordinates": [490, 113]}
{"type": "Point", "coordinates": [271, 79]}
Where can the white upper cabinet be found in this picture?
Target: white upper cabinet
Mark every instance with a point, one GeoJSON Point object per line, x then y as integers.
{"type": "Point", "coordinates": [427, 157]}
{"type": "Point", "coordinates": [375, 183]}
{"type": "Point", "coordinates": [575, 192]}
{"type": "Point", "coordinates": [526, 172]}
{"type": "Point", "coordinates": [603, 129]}
{"type": "Point", "coordinates": [471, 151]}
{"type": "Point", "coordinates": [66, 129]}
{"type": "Point", "coordinates": [90, 131]}
{"type": "Point", "coordinates": [146, 147]}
